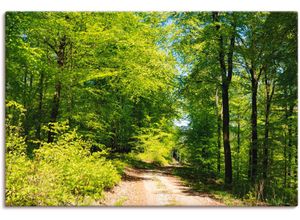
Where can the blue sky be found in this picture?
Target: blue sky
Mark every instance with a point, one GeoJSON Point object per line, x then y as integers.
{"type": "Point", "coordinates": [181, 122]}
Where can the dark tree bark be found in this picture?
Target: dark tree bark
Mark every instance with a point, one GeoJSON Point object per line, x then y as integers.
{"type": "Point", "coordinates": [226, 141]}
{"type": "Point", "coordinates": [56, 98]}
{"type": "Point", "coordinates": [254, 126]}
{"type": "Point", "coordinates": [254, 140]}
{"type": "Point", "coordinates": [226, 73]}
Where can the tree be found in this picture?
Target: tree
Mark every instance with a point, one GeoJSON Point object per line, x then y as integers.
{"type": "Point", "coordinates": [226, 73]}
{"type": "Point", "coordinates": [252, 52]}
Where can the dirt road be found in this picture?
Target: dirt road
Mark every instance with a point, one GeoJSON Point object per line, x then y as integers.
{"type": "Point", "coordinates": [142, 187]}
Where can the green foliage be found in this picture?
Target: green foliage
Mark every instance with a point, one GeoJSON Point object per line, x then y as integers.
{"type": "Point", "coordinates": [15, 143]}
{"type": "Point", "coordinates": [199, 148]}
{"type": "Point", "coordinates": [61, 173]}
{"type": "Point", "coordinates": [155, 144]}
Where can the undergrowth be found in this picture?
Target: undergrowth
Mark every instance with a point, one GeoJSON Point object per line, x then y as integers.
{"type": "Point", "coordinates": [62, 173]}
{"type": "Point", "coordinates": [240, 194]}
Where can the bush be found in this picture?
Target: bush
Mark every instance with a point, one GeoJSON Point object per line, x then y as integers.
{"type": "Point", "coordinates": [61, 173]}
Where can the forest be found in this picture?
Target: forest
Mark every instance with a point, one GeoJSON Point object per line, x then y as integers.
{"type": "Point", "coordinates": [208, 97]}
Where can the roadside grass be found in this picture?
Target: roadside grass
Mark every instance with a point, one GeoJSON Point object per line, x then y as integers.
{"type": "Point", "coordinates": [121, 201]}
{"type": "Point", "coordinates": [203, 183]}
{"type": "Point", "coordinates": [173, 202]}
{"type": "Point", "coordinates": [130, 160]}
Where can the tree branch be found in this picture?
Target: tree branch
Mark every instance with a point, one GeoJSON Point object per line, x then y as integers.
{"type": "Point", "coordinates": [51, 46]}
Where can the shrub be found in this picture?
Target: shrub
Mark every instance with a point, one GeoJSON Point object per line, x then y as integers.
{"type": "Point", "coordinates": [60, 173]}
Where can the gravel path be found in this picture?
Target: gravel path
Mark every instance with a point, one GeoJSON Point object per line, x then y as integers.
{"type": "Point", "coordinates": [154, 188]}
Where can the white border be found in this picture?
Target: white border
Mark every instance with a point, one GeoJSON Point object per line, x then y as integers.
{"type": "Point", "coordinates": [136, 213]}
{"type": "Point", "coordinates": [150, 5]}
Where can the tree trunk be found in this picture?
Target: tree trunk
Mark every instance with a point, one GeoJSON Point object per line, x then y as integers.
{"type": "Point", "coordinates": [218, 131]}
{"type": "Point", "coordinates": [227, 150]}
{"type": "Point", "coordinates": [266, 142]}
{"type": "Point", "coordinates": [25, 103]}
{"type": "Point", "coordinates": [289, 142]}
{"type": "Point", "coordinates": [56, 98]}
{"type": "Point", "coordinates": [285, 147]}
{"type": "Point", "coordinates": [40, 106]}
{"type": "Point", "coordinates": [55, 109]}
{"type": "Point", "coordinates": [269, 95]}
{"type": "Point", "coordinates": [254, 141]}
{"type": "Point", "coordinates": [285, 162]}
{"type": "Point", "coordinates": [226, 79]}
{"type": "Point", "coordinates": [238, 144]}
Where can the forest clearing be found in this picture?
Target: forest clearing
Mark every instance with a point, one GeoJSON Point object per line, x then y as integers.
{"type": "Point", "coordinates": [151, 109]}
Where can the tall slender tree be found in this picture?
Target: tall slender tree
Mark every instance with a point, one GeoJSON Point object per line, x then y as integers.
{"type": "Point", "coordinates": [226, 73]}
